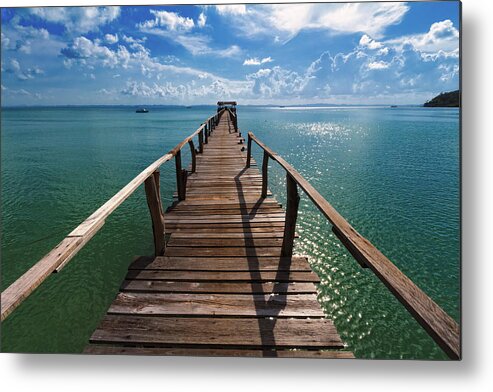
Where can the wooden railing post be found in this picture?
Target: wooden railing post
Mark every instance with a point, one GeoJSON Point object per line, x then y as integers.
{"type": "Point", "coordinates": [292, 203]}
{"type": "Point", "coordinates": [265, 169]}
{"type": "Point", "coordinates": [249, 151]}
{"type": "Point", "coordinates": [201, 140]}
{"type": "Point", "coordinates": [206, 132]}
{"type": "Point", "coordinates": [153, 196]}
{"type": "Point", "coordinates": [179, 176]}
{"type": "Point", "coordinates": [194, 158]}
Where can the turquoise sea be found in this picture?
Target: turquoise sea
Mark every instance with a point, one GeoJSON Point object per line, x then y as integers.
{"type": "Point", "coordinates": [394, 173]}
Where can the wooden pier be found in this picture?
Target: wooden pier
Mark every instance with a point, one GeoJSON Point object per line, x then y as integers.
{"type": "Point", "coordinates": [224, 280]}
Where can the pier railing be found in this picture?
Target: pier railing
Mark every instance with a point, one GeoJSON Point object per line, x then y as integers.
{"type": "Point", "coordinates": [437, 323]}
{"type": "Point", "coordinates": [59, 256]}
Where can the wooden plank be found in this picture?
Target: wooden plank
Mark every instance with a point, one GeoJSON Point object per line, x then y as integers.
{"type": "Point", "coordinates": [219, 252]}
{"type": "Point", "coordinates": [212, 219]}
{"type": "Point", "coordinates": [101, 349]}
{"type": "Point", "coordinates": [197, 305]}
{"type": "Point", "coordinates": [226, 276]}
{"type": "Point", "coordinates": [295, 263]}
{"type": "Point", "coordinates": [221, 234]}
{"type": "Point", "coordinates": [275, 227]}
{"type": "Point", "coordinates": [222, 332]}
{"type": "Point", "coordinates": [224, 242]}
{"type": "Point", "coordinates": [166, 286]}
{"type": "Point", "coordinates": [246, 226]}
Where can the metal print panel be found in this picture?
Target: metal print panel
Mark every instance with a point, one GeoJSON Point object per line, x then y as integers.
{"type": "Point", "coordinates": [308, 205]}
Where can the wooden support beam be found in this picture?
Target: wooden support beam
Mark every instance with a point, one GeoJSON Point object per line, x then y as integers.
{"type": "Point", "coordinates": [184, 176]}
{"type": "Point", "coordinates": [249, 151]}
{"type": "Point", "coordinates": [179, 176]}
{"type": "Point", "coordinates": [292, 203]}
{"type": "Point", "coordinates": [194, 158]}
{"type": "Point", "coordinates": [201, 141]}
{"type": "Point", "coordinates": [153, 196]}
{"type": "Point", "coordinates": [265, 169]}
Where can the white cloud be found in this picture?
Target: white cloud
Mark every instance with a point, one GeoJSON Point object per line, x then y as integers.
{"type": "Point", "coordinates": [201, 20]}
{"type": "Point", "coordinates": [441, 36]}
{"type": "Point", "coordinates": [111, 38]}
{"type": "Point", "coordinates": [19, 37]}
{"type": "Point", "coordinates": [277, 82]}
{"type": "Point", "coordinates": [370, 43]}
{"type": "Point", "coordinates": [21, 73]}
{"type": "Point", "coordinates": [169, 20]}
{"type": "Point", "coordinates": [232, 9]}
{"type": "Point", "coordinates": [77, 19]}
{"type": "Point", "coordinates": [91, 54]}
{"type": "Point", "coordinates": [132, 40]}
{"type": "Point", "coordinates": [378, 65]}
{"type": "Point", "coordinates": [176, 29]}
{"type": "Point", "coordinates": [285, 21]}
{"type": "Point", "coordinates": [83, 50]}
{"type": "Point", "coordinates": [256, 61]}
{"type": "Point", "coordinates": [185, 91]}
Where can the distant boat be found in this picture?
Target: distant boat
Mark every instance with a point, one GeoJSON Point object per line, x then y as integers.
{"type": "Point", "coordinates": [188, 107]}
{"type": "Point", "coordinates": [393, 106]}
{"type": "Point", "coordinates": [142, 110]}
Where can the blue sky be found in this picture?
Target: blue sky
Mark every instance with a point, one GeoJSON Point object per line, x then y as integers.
{"type": "Point", "coordinates": [347, 53]}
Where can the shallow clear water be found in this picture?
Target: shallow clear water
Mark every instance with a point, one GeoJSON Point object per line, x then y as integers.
{"type": "Point", "coordinates": [393, 173]}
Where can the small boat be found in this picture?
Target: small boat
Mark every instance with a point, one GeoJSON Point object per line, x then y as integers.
{"type": "Point", "coordinates": [393, 106]}
{"type": "Point", "coordinates": [142, 110]}
{"type": "Point", "coordinates": [188, 107]}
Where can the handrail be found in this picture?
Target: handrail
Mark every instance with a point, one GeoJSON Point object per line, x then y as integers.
{"type": "Point", "coordinates": [437, 323]}
{"type": "Point", "coordinates": [61, 254]}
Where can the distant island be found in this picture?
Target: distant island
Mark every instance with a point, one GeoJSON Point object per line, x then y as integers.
{"type": "Point", "coordinates": [450, 100]}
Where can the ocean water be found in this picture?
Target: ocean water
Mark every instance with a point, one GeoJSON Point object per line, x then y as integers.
{"type": "Point", "coordinates": [393, 173]}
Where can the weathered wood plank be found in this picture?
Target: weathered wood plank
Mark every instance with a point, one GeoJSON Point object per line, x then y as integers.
{"type": "Point", "coordinates": [101, 349]}
{"type": "Point", "coordinates": [219, 252]}
{"type": "Point", "coordinates": [237, 305]}
{"type": "Point", "coordinates": [222, 332]}
{"type": "Point", "coordinates": [225, 276]}
{"type": "Point", "coordinates": [224, 242]}
{"type": "Point", "coordinates": [296, 263]}
{"type": "Point", "coordinates": [166, 286]}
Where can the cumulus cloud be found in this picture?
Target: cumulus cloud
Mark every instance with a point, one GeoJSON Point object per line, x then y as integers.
{"type": "Point", "coordinates": [441, 36]}
{"type": "Point", "coordinates": [132, 40]}
{"type": "Point", "coordinates": [77, 19]}
{"type": "Point", "coordinates": [111, 38]}
{"type": "Point", "coordinates": [168, 20]}
{"type": "Point", "coordinates": [19, 38]}
{"type": "Point", "coordinates": [371, 69]}
{"type": "Point", "coordinates": [256, 61]}
{"type": "Point", "coordinates": [277, 82]}
{"type": "Point", "coordinates": [183, 91]}
{"type": "Point", "coordinates": [232, 9]}
{"type": "Point", "coordinates": [370, 43]}
{"type": "Point", "coordinates": [178, 30]}
{"type": "Point", "coordinates": [285, 21]}
{"type": "Point", "coordinates": [15, 68]}
{"type": "Point", "coordinates": [83, 50]}
{"type": "Point", "coordinates": [201, 20]}
{"type": "Point", "coordinates": [378, 65]}
{"type": "Point", "coordinates": [91, 54]}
